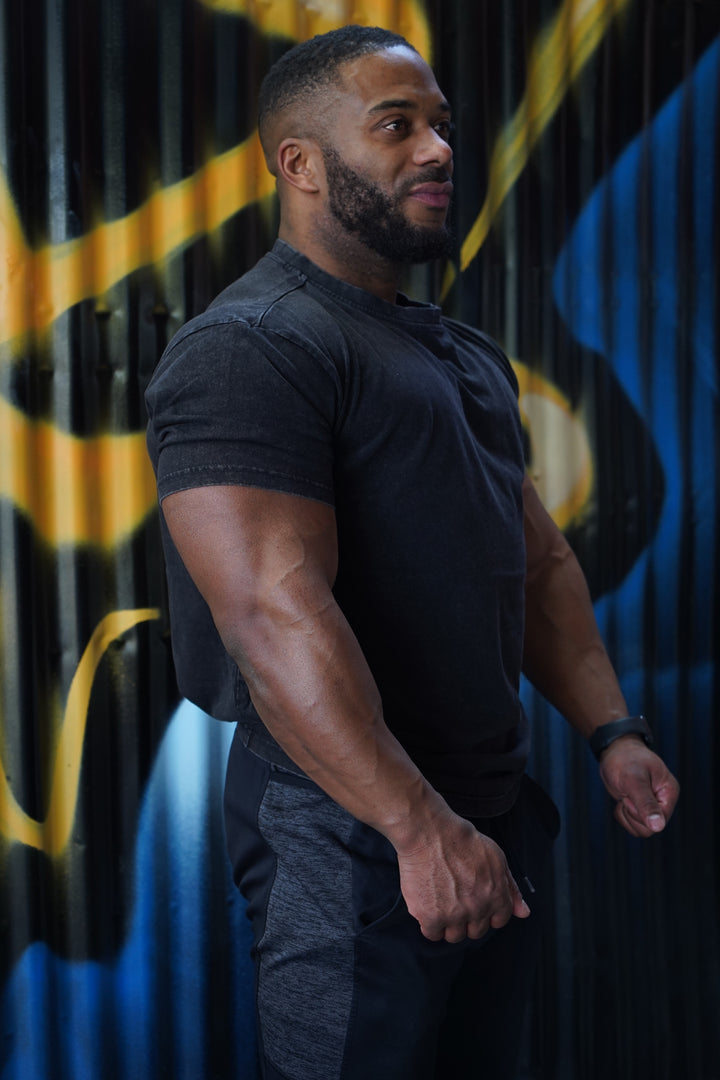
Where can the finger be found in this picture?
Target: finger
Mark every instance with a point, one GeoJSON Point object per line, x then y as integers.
{"type": "Point", "coordinates": [432, 931]}
{"type": "Point", "coordinates": [645, 812]}
{"type": "Point", "coordinates": [501, 918]}
{"type": "Point", "coordinates": [504, 915]}
{"type": "Point", "coordinates": [455, 934]}
{"type": "Point", "coordinates": [651, 814]}
{"type": "Point", "coordinates": [641, 801]}
{"type": "Point", "coordinates": [630, 822]}
{"type": "Point", "coordinates": [667, 795]}
{"type": "Point", "coordinates": [520, 908]}
{"type": "Point", "coordinates": [477, 929]}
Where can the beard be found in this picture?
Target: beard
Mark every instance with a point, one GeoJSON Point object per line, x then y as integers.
{"type": "Point", "coordinates": [377, 219]}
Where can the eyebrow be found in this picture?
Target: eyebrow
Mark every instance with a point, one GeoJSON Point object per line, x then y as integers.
{"type": "Point", "coordinates": [402, 103]}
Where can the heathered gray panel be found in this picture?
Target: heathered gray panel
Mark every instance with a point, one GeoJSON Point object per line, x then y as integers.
{"type": "Point", "coordinates": [305, 980]}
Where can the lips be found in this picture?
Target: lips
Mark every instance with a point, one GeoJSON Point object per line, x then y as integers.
{"type": "Point", "coordinates": [433, 194]}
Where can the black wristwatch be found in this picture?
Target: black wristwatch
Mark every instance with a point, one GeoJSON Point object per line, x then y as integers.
{"type": "Point", "coordinates": [629, 725]}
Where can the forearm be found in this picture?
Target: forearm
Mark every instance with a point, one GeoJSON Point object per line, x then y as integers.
{"type": "Point", "coordinates": [564, 654]}
{"type": "Point", "coordinates": [566, 659]}
{"type": "Point", "coordinates": [312, 688]}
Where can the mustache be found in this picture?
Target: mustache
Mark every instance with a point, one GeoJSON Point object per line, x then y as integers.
{"type": "Point", "coordinates": [429, 176]}
{"type": "Point", "coordinates": [435, 175]}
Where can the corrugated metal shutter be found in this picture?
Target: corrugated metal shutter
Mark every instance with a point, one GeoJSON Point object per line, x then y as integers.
{"type": "Point", "coordinates": [132, 189]}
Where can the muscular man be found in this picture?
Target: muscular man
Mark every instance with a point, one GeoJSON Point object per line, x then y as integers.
{"type": "Point", "coordinates": [359, 570]}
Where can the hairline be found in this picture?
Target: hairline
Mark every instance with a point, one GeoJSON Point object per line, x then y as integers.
{"type": "Point", "coordinates": [302, 95]}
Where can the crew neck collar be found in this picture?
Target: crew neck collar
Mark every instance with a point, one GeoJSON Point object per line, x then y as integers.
{"type": "Point", "coordinates": [405, 309]}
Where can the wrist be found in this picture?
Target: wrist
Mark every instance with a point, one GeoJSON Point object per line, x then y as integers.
{"type": "Point", "coordinates": [421, 825]}
{"type": "Point", "coordinates": [605, 735]}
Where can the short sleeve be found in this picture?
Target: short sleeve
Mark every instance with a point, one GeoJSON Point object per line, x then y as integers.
{"type": "Point", "coordinates": [236, 404]}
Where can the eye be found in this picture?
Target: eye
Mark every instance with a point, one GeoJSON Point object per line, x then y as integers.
{"type": "Point", "coordinates": [399, 125]}
{"type": "Point", "coordinates": [445, 129]}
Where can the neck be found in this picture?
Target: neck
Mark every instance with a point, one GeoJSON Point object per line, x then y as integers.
{"type": "Point", "coordinates": [347, 259]}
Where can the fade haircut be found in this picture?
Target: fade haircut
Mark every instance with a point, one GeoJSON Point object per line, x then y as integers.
{"type": "Point", "coordinates": [312, 65]}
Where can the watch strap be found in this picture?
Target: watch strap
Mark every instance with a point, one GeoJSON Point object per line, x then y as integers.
{"type": "Point", "coordinates": [628, 725]}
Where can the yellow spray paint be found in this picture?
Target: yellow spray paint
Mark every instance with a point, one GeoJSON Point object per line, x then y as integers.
{"type": "Point", "coordinates": [561, 465]}
{"type": "Point", "coordinates": [74, 491]}
{"type": "Point", "coordinates": [97, 491]}
{"type": "Point", "coordinates": [37, 287]}
{"type": "Point", "coordinates": [557, 58]}
{"type": "Point", "coordinates": [301, 19]}
{"type": "Point", "coordinates": [53, 834]}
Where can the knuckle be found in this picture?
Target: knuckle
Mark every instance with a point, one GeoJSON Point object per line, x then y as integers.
{"type": "Point", "coordinates": [453, 935]}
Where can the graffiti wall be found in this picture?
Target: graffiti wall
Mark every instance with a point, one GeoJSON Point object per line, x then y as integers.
{"type": "Point", "coordinates": [132, 189]}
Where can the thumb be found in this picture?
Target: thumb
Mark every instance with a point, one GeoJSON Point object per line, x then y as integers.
{"type": "Point", "coordinates": [653, 815]}
{"type": "Point", "coordinates": [648, 810]}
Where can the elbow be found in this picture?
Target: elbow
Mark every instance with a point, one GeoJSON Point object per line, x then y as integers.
{"type": "Point", "coordinates": [557, 558]}
{"type": "Point", "coordinates": [264, 623]}
{"type": "Point", "coordinates": [241, 626]}
{"type": "Point", "coordinates": [245, 623]}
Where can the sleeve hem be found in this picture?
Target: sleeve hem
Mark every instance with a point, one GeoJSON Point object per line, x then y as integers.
{"type": "Point", "coordinates": [245, 476]}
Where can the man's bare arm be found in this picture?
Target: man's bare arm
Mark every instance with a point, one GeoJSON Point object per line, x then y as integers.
{"type": "Point", "coordinates": [265, 563]}
{"type": "Point", "coordinates": [566, 660]}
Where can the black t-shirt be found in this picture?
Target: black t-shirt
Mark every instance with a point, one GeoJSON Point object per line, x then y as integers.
{"type": "Point", "coordinates": [407, 424]}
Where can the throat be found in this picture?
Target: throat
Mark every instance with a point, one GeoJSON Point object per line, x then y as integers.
{"type": "Point", "coordinates": [347, 258]}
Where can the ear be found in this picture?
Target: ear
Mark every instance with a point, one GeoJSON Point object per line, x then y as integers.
{"type": "Point", "coordinates": [300, 164]}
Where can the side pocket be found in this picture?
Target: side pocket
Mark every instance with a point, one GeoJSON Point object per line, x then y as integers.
{"type": "Point", "coordinates": [377, 899]}
{"type": "Point", "coordinates": [526, 834]}
{"type": "Point", "coordinates": [395, 913]}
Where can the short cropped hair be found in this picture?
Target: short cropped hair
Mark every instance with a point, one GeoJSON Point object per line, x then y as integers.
{"type": "Point", "coordinates": [314, 64]}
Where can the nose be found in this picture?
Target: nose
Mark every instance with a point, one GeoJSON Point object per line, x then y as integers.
{"type": "Point", "coordinates": [431, 148]}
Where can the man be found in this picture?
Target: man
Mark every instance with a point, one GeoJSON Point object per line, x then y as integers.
{"type": "Point", "coordinates": [353, 550]}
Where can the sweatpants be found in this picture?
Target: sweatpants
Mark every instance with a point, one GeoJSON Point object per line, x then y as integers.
{"type": "Point", "coordinates": [347, 987]}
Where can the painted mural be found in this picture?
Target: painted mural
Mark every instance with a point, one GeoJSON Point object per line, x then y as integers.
{"type": "Point", "coordinates": [132, 188]}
